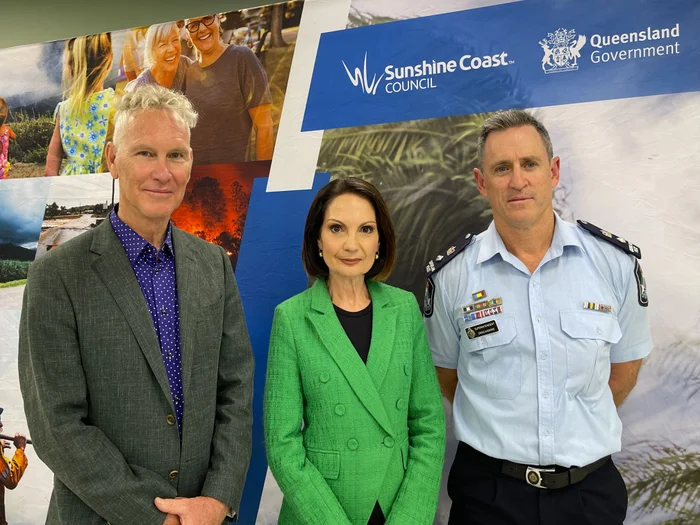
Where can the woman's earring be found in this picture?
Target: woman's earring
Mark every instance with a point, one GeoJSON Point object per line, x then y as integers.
{"type": "Point", "coordinates": [376, 255]}
{"type": "Point", "coordinates": [320, 253]}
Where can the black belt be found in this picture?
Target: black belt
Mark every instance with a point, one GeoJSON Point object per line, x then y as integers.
{"type": "Point", "coordinates": [554, 477]}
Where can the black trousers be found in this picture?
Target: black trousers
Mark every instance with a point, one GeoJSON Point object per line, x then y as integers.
{"type": "Point", "coordinates": [482, 497]}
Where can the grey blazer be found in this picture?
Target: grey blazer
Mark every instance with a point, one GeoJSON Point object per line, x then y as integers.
{"type": "Point", "coordinates": [96, 392]}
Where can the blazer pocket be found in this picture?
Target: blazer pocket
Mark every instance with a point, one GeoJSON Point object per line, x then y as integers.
{"type": "Point", "coordinates": [404, 453]}
{"type": "Point", "coordinates": [327, 462]}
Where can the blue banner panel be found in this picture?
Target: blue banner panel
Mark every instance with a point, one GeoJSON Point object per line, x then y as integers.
{"type": "Point", "coordinates": [523, 54]}
{"type": "Point", "coordinates": [269, 271]}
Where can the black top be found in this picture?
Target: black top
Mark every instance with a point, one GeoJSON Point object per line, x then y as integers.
{"type": "Point", "coordinates": [358, 327]}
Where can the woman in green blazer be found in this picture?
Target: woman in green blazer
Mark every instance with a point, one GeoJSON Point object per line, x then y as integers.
{"type": "Point", "coordinates": [354, 424]}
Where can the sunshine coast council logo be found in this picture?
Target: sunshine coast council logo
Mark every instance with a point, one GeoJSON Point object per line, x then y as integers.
{"type": "Point", "coordinates": [360, 78]}
{"type": "Point", "coordinates": [561, 51]}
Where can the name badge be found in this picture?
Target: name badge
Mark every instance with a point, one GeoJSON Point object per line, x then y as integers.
{"type": "Point", "coordinates": [481, 329]}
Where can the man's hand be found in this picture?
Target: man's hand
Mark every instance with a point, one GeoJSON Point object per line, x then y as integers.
{"type": "Point", "coordinates": [201, 510]}
{"type": "Point", "coordinates": [20, 441]}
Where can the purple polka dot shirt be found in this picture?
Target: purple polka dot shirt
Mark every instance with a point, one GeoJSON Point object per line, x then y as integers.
{"type": "Point", "coordinates": [155, 273]}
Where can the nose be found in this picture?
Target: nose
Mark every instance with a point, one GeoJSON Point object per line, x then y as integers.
{"type": "Point", "coordinates": [517, 179]}
{"type": "Point", "coordinates": [350, 243]}
{"type": "Point", "coordinates": [161, 171]}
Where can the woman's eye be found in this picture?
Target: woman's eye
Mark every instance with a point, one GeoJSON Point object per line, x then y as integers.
{"type": "Point", "coordinates": [367, 229]}
{"type": "Point", "coordinates": [335, 228]}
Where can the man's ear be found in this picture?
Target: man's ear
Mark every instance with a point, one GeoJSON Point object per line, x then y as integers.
{"type": "Point", "coordinates": [110, 157]}
{"type": "Point", "coordinates": [480, 184]}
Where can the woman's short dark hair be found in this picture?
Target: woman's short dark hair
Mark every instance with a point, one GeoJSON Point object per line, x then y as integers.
{"type": "Point", "coordinates": [314, 264]}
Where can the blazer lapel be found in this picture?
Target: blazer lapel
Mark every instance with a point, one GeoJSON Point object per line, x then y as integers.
{"type": "Point", "coordinates": [383, 333]}
{"type": "Point", "coordinates": [333, 337]}
{"type": "Point", "coordinates": [113, 267]}
{"type": "Point", "coordinates": [188, 303]}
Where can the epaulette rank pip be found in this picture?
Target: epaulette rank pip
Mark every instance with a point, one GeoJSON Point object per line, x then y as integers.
{"type": "Point", "coordinates": [446, 256]}
{"type": "Point", "coordinates": [438, 262]}
{"type": "Point", "coordinates": [613, 239]}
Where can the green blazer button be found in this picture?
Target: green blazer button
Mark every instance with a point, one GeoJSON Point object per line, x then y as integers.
{"type": "Point", "coordinates": [170, 419]}
{"type": "Point", "coordinates": [407, 369]}
{"type": "Point", "coordinates": [353, 444]}
{"type": "Point", "coordinates": [325, 376]}
{"type": "Point", "coordinates": [173, 474]}
{"type": "Point", "coordinates": [400, 404]}
{"type": "Point", "coordinates": [340, 410]}
{"type": "Point", "coordinates": [388, 441]}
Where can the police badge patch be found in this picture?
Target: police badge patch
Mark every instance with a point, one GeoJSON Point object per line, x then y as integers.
{"type": "Point", "coordinates": [429, 297]}
{"type": "Point", "coordinates": [641, 284]}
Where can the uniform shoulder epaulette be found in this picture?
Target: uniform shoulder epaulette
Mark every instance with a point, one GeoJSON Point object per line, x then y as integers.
{"type": "Point", "coordinates": [447, 255]}
{"type": "Point", "coordinates": [613, 239]}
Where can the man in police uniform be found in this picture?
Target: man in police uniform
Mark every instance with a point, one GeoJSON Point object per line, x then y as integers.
{"type": "Point", "coordinates": [538, 328]}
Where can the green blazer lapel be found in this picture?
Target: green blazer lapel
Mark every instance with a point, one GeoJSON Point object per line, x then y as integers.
{"type": "Point", "coordinates": [383, 333]}
{"type": "Point", "coordinates": [333, 337]}
{"type": "Point", "coordinates": [186, 278]}
{"type": "Point", "coordinates": [112, 266]}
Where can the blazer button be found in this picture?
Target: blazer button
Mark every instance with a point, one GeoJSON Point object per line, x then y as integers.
{"type": "Point", "coordinates": [170, 419]}
{"type": "Point", "coordinates": [340, 410]}
{"type": "Point", "coordinates": [353, 444]}
{"type": "Point", "coordinates": [173, 474]}
{"type": "Point", "coordinates": [400, 404]}
{"type": "Point", "coordinates": [407, 369]}
{"type": "Point", "coordinates": [324, 377]}
{"type": "Point", "coordinates": [388, 442]}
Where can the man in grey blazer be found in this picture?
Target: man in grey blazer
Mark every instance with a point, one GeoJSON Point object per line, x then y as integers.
{"type": "Point", "coordinates": [134, 358]}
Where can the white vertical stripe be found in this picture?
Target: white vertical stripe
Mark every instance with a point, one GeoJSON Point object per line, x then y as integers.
{"type": "Point", "coordinates": [296, 153]}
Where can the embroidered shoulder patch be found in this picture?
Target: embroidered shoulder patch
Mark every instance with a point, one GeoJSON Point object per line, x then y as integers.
{"type": "Point", "coordinates": [429, 297]}
{"type": "Point", "coordinates": [613, 239]}
{"type": "Point", "coordinates": [642, 296]}
{"type": "Point", "coordinates": [448, 254]}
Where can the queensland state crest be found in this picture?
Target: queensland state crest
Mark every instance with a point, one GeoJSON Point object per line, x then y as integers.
{"type": "Point", "coordinates": [561, 50]}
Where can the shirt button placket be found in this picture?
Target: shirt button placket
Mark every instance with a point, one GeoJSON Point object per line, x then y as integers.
{"type": "Point", "coordinates": [544, 369]}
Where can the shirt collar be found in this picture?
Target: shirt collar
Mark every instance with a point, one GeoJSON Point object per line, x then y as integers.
{"type": "Point", "coordinates": [122, 230]}
{"type": "Point", "coordinates": [492, 244]}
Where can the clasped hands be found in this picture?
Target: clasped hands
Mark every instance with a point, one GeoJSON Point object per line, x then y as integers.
{"type": "Point", "coordinates": [201, 510]}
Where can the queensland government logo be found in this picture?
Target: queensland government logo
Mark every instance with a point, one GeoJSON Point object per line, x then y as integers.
{"type": "Point", "coordinates": [561, 51]}
{"type": "Point", "coordinates": [360, 78]}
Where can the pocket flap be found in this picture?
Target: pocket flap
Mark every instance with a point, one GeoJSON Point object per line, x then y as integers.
{"type": "Point", "coordinates": [505, 334]}
{"type": "Point", "coordinates": [590, 325]}
{"type": "Point", "coordinates": [327, 462]}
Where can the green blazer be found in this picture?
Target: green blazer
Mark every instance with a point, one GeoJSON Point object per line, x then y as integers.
{"type": "Point", "coordinates": [342, 435]}
{"type": "Point", "coordinates": [96, 392]}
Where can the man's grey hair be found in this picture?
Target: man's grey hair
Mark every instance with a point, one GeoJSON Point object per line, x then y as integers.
{"type": "Point", "coordinates": [511, 118]}
{"type": "Point", "coordinates": [152, 97]}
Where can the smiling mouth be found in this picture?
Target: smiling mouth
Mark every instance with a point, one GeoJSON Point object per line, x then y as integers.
{"type": "Point", "coordinates": [159, 192]}
{"type": "Point", "coordinates": [205, 37]}
{"type": "Point", "coordinates": [351, 261]}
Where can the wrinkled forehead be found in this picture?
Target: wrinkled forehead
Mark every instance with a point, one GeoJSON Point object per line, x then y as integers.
{"type": "Point", "coordinates": [520, 140]}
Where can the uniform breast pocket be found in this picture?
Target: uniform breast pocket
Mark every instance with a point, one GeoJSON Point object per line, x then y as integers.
{"type": "Point", "coordinates": [502, 359]}
{"type": "Point", "coordinates": [589, 336]}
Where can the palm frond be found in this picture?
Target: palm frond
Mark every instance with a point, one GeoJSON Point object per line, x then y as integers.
{"type": "Point", "coordinates": [662, 476]}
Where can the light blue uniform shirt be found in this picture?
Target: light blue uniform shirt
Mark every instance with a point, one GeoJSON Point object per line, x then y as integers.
{"type": "Point", "coordinates": [536, 391]}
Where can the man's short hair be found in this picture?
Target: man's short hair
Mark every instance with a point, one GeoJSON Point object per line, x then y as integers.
{"type": "Point", "coordinates": [152, 97]}
{"type": "Point", "coordinates": [511, 118]}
